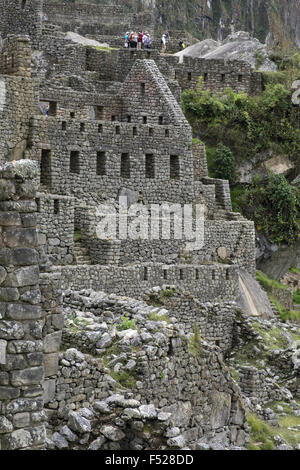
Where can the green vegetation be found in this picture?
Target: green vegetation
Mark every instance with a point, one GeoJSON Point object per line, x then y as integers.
{"type": "Point", "coordinates": [195, 346]}
{"type": "Point", "coordinates": [294, 270]}
{"type": "Point", "coordinates": [262, 434]}
{"type": "Point", "coordinates": [155, 317]}
{"type": "Point", "coordinates": [291, 315]}
{"type": "Point", "coordinates": [158, 299]}
{"type": "Point", "coordinates": [270, 285]}
{"type": "Point", "coordinates": [126, 324]}
{"type": "Point", "coordinates": [245, 124]}
{"type": "Point", "coordinates": [273, 339]}
{"type": "Point", "coordinates": [223, 164]}
{"type": "Point", "coordinates": [296, 297]}
{"type": "Point", "coordinates": [267, 283]}
{"type": "Point", "coordinates": [273, 204]}
{"type": "Point", "coordinates": [237, 127]}
{"type": "Point", "coordinates": [125, 379]}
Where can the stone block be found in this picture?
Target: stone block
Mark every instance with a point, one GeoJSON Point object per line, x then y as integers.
{"type": "Point", "coordinates": [49, 390]}
{"type": "Point", "coordinates": [7, 393]}
{"type": "Point", "coordinates": [21, 420]}
{"type": "Point", "coordinates": [33, 375]}
{"type": "Point", "coordinates": [24, 256]}
{"type": "Point", "coordinates": [51, 364]}
{"type": "Point", "coordinates": [3, 346]}
{"type": "Point", "coordinates": [23, 312]}
{"type": "Point", "coordinates": [52, 342]}
{"type": "Point", "coordinates": [21, 277]}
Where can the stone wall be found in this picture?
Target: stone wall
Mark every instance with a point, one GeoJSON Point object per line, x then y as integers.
{"type": "Point", "coordinates": [56, 226]}
{"type": "Point", "coordinates": [21, 318]}
{"type": "Point", "coordinates": [21, 17]}
{"type": "Point", "coordinates": [97, 19]}
{"type": "Point", "coordinates": [217, 74]}
{"type": "Point", "coordinates": [17, 100]}
{"type": "Point", "coordinates": [191, 384]}
{"type": "Point", "coordinates": [15, 56]}
{"type": "Point", "coordinates": [256, 385]}
{"type": "Point", "coordinates": [208, 283]}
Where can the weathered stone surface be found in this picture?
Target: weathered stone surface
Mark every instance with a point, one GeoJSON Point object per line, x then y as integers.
{"type": "Point", "coordinates": [59, 441]}
{"type": "Point", "coordinates": [221, 404]}
{"type": "Point", "coordinates": [52, 342]}
{"type": "Point", "coordinates": [5, 425]}
{"type": "Point", "coordinates": [97, 444]}
{"type": "Point", "coordinates": [51, 364]}
{"type": "Point", "coordinates": [148, 411]}
{"type": "Point", "coordinates": [3, 345]}
{"type": "Point", "coordinates": [68, 434]}
{"type": "Point", "coordinates": [78, 424]}
{"type": "Point", "coordinates": [27, 276]}
{"type": "Point", "coordinates": [112, 433]}
{"type": "Point", "coordinates": [31, 376]}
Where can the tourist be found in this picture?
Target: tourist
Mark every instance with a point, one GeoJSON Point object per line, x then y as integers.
{"type": "Point", "coordinates": [181, 46]}
{"type": "Point", "coordinates": [127, 39]}
{"type": "Point", "coordinates": [140, 40]}
{"type": "Point", "coordinates": [147, 41]}
{"type": "Point", "coordinates": [133, 40]}
{"type": "Point", "coordinates": [163, 43]}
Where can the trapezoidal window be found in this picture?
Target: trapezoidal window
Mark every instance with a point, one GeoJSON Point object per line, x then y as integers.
{"type": "Point", "coordinates": [101, 164]}
{"type": "Point", "coordinates": [23, 4]}
{"type": "Point", "coordinates": [240, 78]}
{"type": "Point", "coordinates": [205, 77]}
{"type": "Point", "coordinates": [174, 167]}
{"type": "Point", "coordinates": [46, 168]}
{"type": "Point", "coordinates": [223, 77]}
{"type": "Point", "coordinates": [125, 165]}
{"type": "Point", "coordinates": [52, 108]}
{"type": "Point", "coordinates": [143, 88]}
{"type": "Point", "coordinates": [149, 166]}
{"type": "Point", "coordinates": [189, 76]}
{"type": "Point", "coordinates": [74, 162]}
{"type": "Point", "coordinates": [56, 206]}
{"type": "Point", "coordinates": [99, 113]}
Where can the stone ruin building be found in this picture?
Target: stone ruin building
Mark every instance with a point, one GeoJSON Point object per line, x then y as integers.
{"type": "Point", "coordinates": [114, 126]}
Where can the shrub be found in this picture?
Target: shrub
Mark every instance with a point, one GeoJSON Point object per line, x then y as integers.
{"type": "Point", "coordinates": [224, 164]}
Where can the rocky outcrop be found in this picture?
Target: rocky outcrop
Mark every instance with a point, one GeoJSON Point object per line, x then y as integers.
{"type": "Point", "coordinates": [238, 46]}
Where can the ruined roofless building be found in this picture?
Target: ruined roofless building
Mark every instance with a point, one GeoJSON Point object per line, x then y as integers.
{"type": "Point", "coordinates": [114, 126]}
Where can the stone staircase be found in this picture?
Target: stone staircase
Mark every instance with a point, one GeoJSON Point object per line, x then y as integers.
{"type": "Point", "coordinates": [81, 253]}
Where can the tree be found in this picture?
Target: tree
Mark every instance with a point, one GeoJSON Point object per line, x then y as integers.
{"type": "Point", "coordinates": [224, 164]}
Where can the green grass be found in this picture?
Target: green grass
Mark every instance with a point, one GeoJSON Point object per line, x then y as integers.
{"type": "Point", "coordinates": [296, 297]}
{"type": "Point", "coordinates": [291, 315]}
{"type": "Point", "coordinates": [125, 379]}
{"type": "Point", "coordinates": [273, 339]}
{"type": "Point", "coordinates": [268, 283]}
{"type": "Point", "coordinates": [126, 324]}
{"type": "Point", "coordinates": [155, 317]}
{"type": "Point", "coordinates": [294, 270]}
{"type": "Point", "coordinates": [261, 434]}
